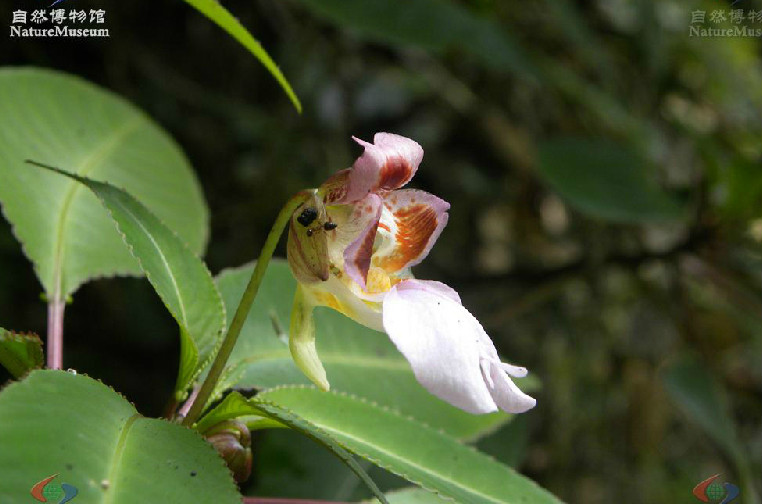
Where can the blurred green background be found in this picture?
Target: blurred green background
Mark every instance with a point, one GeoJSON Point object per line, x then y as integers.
{"type": "Point", "coordinates": [605, 173]}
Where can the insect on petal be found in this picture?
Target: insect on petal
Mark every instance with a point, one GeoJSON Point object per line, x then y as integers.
{"type": "Point", "coordinates": [307, 248]}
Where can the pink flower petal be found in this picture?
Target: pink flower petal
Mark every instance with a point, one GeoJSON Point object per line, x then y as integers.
{"type": "Point", "coordinates": [440, 339]}
{"type": "Point", "coordinates": [414, 219]}
{"type": "Point", "coordinates": [388, 163]}
{"type": "Point", "coordinates": [432, 286]}
{"type": "Point", "coordinates": [357, 255]}
{"type": "Point", "coordinates": [451, 355]}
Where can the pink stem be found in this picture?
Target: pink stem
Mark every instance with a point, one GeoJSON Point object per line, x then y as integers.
{"type": "Point", "coordinates": [268, 500]}
{"type": "Point", "coordinates": [183, 412]}
{"type": "Point", "coordinates": [55, 333]}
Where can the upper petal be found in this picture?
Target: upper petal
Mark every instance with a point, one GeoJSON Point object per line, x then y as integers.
{"type": "Point", "coordinates": [440, 339]}
{"type": "Point", "coordinates": [388, 163]}
{"type": "Point", "coordinates": [411, 223]}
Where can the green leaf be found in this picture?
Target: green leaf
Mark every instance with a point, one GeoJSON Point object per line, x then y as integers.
{"type": "Point", "coordinates": [220, 16]}
{"type": "Point", "coordinates": [739, 182]}
{"type": "Point", "coordinates": [418, 453]}
{"type": "Point", "coordinates": [299, 468]}
{"type": "Point", "coordinates": [357, 360]}
{"type": "Point", "coordinates": [605, 180]}
{"type": "Point", "coordinates": [704, 401]}
{"type": "Point", "coordinates": [179, 277]}
{"type": "Point", "coordinates": [235, 405]}
{"type": "Point", "coordinates": [20, 353]}
{"type": "Point", "coordinates": [54, 422]}
{"type": "Point", "coordinates": [509, 444]}
{"type": "Point", "coordinates": [62, 120]}
{"type": "Point", "coordinates": [434, 25]}
{"type": "Point", "coordinates": [413, 496]}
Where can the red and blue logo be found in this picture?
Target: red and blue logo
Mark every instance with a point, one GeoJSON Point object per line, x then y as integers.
{"type": "Point", "coordinates": [710, 490]}
{"type": "Point", "coordinates": [48, 490]}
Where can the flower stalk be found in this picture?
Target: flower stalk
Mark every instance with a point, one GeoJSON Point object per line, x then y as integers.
{"type": "Point", "coordinates": [55, 333]}
{"type": "Point", "coordinates": [221, 359]}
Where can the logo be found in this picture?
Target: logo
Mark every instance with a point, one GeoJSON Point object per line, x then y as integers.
{"type": "Point", "coordinates": [731, 22]}
{"type": "Point", "coordinates": [54, 22]}
{"type": "Point", "coordinates": [710, 490]}
{"type": "Point", "coordinates": [48, 490]}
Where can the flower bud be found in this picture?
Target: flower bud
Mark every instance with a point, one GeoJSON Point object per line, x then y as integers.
{"type": "Point", "coordinates": [233, 442]}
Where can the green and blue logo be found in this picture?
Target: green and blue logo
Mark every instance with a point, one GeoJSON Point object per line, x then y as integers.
{"type": "Point", "coordinates": [710, 490]}
{"type": "Point", "coordinates": [48, 490]}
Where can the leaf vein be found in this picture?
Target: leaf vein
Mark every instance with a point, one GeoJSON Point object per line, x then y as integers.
{"type": "Point", "coordinates": [88, 165]}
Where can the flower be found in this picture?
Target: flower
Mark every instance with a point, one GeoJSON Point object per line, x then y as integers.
{"type": "Point", "coordinates": [351, 246]}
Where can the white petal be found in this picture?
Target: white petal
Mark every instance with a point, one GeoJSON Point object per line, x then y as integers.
{"type": "Point", "coordinates": [517, 371]}
{"type": "Point", "coordinates": [431, 286]}
{"type": "Point", "coordinates": [506, 394]}
{"type": "Point", "coordinates": [440, 339]}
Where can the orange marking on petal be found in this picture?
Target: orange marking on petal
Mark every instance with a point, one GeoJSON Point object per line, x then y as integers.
{"type": "Point", "coordinates": [415, 225]}
{"type": "Point", "coordinates": [384, 226]}
{"type": "Point", "coordinates": [336, 187]}
{"type": "Point", "coordinates": [395, 172]}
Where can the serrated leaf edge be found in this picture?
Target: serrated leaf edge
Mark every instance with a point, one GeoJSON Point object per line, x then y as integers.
{"type": "Point", "coordinates": [117, 272]}
{"type": "Point", "coordinates": [220, 303]}
{"type": "Point", "coordinates": [403, 417]}
{"type": "Point", "coordinates": [132, 405]}
{"type": "Point", "coordinates": [208, 274]}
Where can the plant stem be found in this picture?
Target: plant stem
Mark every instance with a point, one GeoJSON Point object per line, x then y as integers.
{"type": "Point", "coordinates": [267, 500]}
{"type": "Point", "coordinates": [242, 311]}
{"type": "Point", "coordinates": [55, 333]}
{"type": "Point", "coordinates": [191, 399]}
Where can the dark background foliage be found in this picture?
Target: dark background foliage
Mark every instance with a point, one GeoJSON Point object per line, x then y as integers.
{"type": "Point", "coordinates": [622, 268]}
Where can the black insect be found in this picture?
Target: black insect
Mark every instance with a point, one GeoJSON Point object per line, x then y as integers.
{"type": "Point", "coordinates": [307, 216]}
{"type": "Point", "coordinates": [330, 226]}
